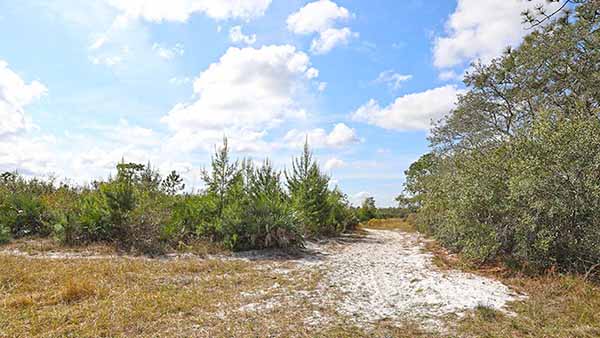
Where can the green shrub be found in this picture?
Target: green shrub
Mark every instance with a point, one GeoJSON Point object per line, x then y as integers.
{"type": "Point", "coordinates": [93, 220]}
{"type": "Point", "coordinates": [4, 234]}
{"type": "Point", "coordinates": [190, 215]}
{"type": "Point", "coordinates": [24, 214]}
{"type": "Point", "coordinates": [342, 215]}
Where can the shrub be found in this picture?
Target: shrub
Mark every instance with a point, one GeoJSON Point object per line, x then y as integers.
{"type": "Point", "coordinates": [24, 214]}
{"type": "Point", "coordinates": [368, 210]}
{"type": "Point", "coordinates": [342, 215]}
{"type": "Point", "coordinates": [244, 207]}
{"type": "Point", "coordinates": [190, 215]}
{"type": "Point", "coordinates": [4, 234]}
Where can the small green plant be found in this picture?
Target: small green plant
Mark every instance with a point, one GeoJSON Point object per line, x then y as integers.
{"type": "Point", "coordinates": [4, 234]}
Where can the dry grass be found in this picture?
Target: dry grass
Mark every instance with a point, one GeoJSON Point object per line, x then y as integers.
{"type": "Point", "coordinates": [390, 224]}
{"type": "Point", "coordinates": [42, 246]}
{"type": "Point", "coordinates": [141, 297]}
{"type": "Point", "coordinates": [558, 306]}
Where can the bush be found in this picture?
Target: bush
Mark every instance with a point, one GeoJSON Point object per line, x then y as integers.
{"type": "Point", "coordinates": [4, 234]}
{"type": "Point", "coordinates": [24, 214]}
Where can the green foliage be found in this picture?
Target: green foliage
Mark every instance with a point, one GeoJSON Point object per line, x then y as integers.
{"type": "Point", "coordinates": [243, 207]}
{"type": "Point", "coordinates": [368, 210]}
{"type": "Point", "coordinates": [21, 208]}
{"type": "Point", "coordinates": [309, 192]}
{"type": "Point", "coordinates": [515, 171]}
{"type": "Point", "coordinates": [342, 215]}
{"type": "Point", "coordinates": [173, 183]}
{"type": "Point", "coordinates": [4, 234]}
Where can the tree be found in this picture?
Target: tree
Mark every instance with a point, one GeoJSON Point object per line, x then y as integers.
{"type": "Point", "coordinates": [223, 176]}
{"type": "Point", "coordinates": [368, 210]}
{"type": "Point", "coordinates": [514, 167]}
{"type": "Point", "coordinates": [173, 183]}
{"type": "Point", "coordinates": [309, 190]}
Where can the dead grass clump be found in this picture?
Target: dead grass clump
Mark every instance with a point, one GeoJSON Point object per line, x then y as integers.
{"type": "Point", "coordinates": [20, 301]}
{"type": "Point", "coordinates": [75, 290]}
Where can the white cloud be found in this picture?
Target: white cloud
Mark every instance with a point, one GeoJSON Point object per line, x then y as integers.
{"type": "Point", "coordinates": [358, 198]}
{"type": "Point", "coordinates": [15, 94]}
{"type": "Point", "coordinates": [320, 17]}
{"type": "Point", "coordinates": [167, 53]}
{"type": "Point", "coordinates": [331, 38]}
{"type": "Point", "coordinates": [181, 10]}
{"type": "Point", "coordinates": [237, 36]}
{"type": "Point", "coordinates": [28, 154]}
{"type": "Point", "coordinates": [334, 163]}
{"type": "Point", "coordinates": [410, 112]}
{"type": "Point", "coordinates": [481, 29]}
{"type": "Point", "coordinates": [20, 149]}
{"type": "Point", "coordinates": [392, 79]}
{"type": "Point", "coordinates": [340, 136]}
{"type": "Point", "coordinates": [245, 93]}
{"type": "Point", "coordinates": [316, 17]}
{"type": "Point", "coordinates": [125, 133]}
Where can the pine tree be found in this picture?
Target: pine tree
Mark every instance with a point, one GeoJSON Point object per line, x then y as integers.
{"type": "Point", "coordinates": [222, 177]}
{"type": "Point", "coordinates": [173, 183]}
{"type": "Point", "coordinates": [309, 190]}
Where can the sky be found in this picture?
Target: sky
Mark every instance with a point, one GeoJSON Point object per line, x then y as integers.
{"type": "Point", "coordinates": [84, 84]}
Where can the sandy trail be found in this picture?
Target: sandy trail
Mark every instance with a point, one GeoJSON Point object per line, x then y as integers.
{"type": "Point", "coordinates": [389, 275]}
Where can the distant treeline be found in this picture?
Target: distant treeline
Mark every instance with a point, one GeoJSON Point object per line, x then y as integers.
{"type": "Point", "coordinates": [244, 206]}
{"type": "Point", "coordinates": [514, 174]}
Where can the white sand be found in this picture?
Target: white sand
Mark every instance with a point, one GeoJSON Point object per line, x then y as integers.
{"type": "Point", "coordinates": [389, 275]}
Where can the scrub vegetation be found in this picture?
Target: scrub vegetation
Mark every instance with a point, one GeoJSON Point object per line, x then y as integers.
{"type": "Point", "coordinates": [514, 174]}
{"type": "Point", "coordinates": [244, 206]}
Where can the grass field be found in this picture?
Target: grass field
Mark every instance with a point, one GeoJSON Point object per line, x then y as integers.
{"type": "Point", "coordinates": [120, 296]}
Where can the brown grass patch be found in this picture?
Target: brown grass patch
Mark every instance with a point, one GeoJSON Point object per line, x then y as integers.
{"type": "Point", "coordinates": [77, 289]}
{"type": "Point", "coordinates": [390, 224]}
{"type": "Point", "coordinates": [141, 297]}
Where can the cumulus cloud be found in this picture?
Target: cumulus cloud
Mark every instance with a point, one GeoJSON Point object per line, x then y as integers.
{"type": "Point", "coordinates": [340, 136]}
{"type": "Point", "coordinates": [245, 93]}
{"type": "Point", "coordinates": [27, 154]}
{"type": "Point", "coordinates": [316, 17]}
{"type": "Point", "coordinates": [410, 112]}
{"type": "Point", "coordinates": [330, 38]}
{"type": "Point", "coordinates": [19, 148]}
{"type": "Point", "coordinates": [15, 94]}
{"type": "Point", "coordinates": [334, 163]}
{"type": "Point", "coordinates": [320, 17]}
{"type": "Point", "coordinates": [481, 29]}
{"type": "Point", "coordinates": [181, 10]}
{"type": "Point", "coordinates": [392, 79]}
{"type": "Point", "coordinates": [237, 36]}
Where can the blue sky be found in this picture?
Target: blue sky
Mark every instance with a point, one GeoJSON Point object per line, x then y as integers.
{"type": "Point", "coordinates": [84, 84]}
